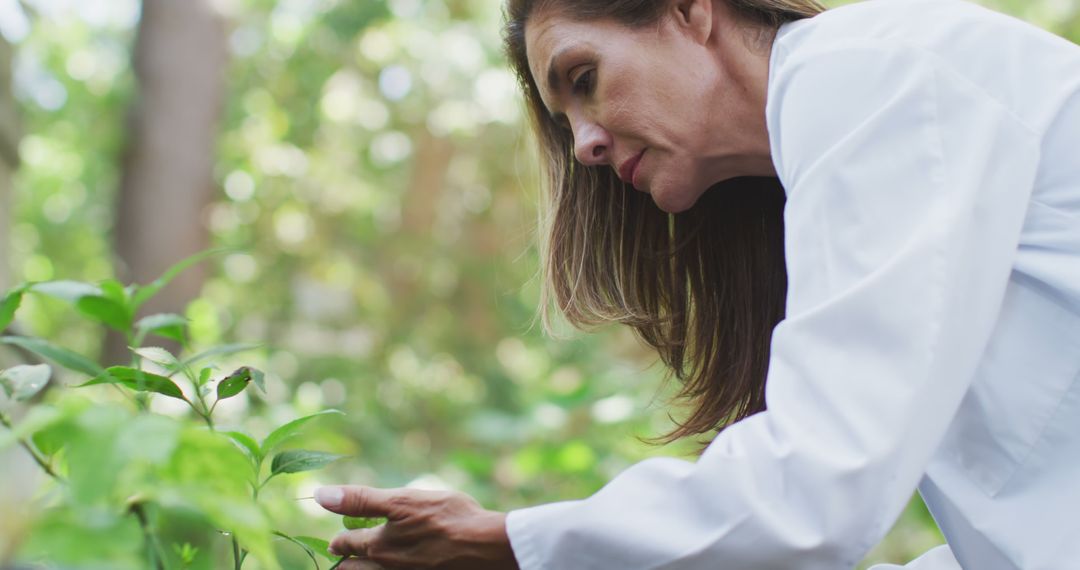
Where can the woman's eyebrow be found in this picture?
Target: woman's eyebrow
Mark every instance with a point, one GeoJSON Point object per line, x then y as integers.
{"type": "Point", "coordinates": [553, 69]}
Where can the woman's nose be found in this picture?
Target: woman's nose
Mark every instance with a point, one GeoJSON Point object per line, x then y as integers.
{"type": "Point", "coordinates": [591, 143]}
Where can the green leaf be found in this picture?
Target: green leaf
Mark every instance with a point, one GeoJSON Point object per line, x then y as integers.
{"type": "Point", "coordinates": [168, 325]}
{"type": "Point", "coordinates": [62, 356]}
{"type": "Point", "coordinates": [114, 291]}
{"type": "Point", "coordinates": [318, 545]}
{"type": "Point", "coordinates": [9, 305]}
{"type": "Point", "coordinates": [307, 550]}
{"type": "Point", "coordinates": [54, 437]}
{"type": "Point", "coordinates": [305, 542]}
{"type": "Point", "coordinates": [157, 355]}
{"type": "Point", "coordinates": [234, 383]}
{"type": "Point", "coordinates": [143, 294]}
{"type": "Point", "coordinates": [259, 379]}
{"type": "Point", "coordinates": [38, 418]}
{"type": "Point", "coordinates": [23, 382]}
{"type": "Point", "coordinates": [289, 430]}
{"type": "Point", "coordinates": [208, 473]}
{"type": "Point", "coordinates": [149, 438]}
{"type": "Point", "coordinates": [70, 291]}
{"type": "Point", "coordinates": [94, 465]}
{"type": "Point", "coordinates": [186, 553]}
{"type": "Point", "coordinates": [138, 380]}
{"type": "Point", "coordinates": [223, 350]}
{"type": "Point", "coordinates": [299, 460]}
{"type": "Point", "coordinates": [204, 375]}
{"type": "Point", "coordinates": [247, 444]}
{"type": "Point", "coordinates": [105, 311]}
{"type": "Point", "coordinates": [353, 523]}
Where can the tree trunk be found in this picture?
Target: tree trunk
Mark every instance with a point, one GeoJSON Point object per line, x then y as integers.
{"type": "Point", "coordinates": [20, 474]}
{"type": "Point", "coordinates": [167, 182]}
{"type": "Point", "coordinates": [9, 159]}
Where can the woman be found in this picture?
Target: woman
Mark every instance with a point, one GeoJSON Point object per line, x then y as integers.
{"type": "Point", "coordinates": [928, 152]}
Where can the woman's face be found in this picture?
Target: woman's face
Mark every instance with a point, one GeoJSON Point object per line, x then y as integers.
{"type": "Point", "coordinates": [661, 105]}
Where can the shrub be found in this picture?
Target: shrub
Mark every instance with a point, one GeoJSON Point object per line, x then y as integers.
{"type": "Point", "coordinates": [131, 488]}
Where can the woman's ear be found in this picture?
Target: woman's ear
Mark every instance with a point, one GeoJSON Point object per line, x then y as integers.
{"type": "Point", "coordinates": [695, 17]}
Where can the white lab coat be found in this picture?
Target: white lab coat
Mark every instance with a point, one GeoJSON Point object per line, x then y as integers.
{"type": "Point", "coordinates": [930, 150]}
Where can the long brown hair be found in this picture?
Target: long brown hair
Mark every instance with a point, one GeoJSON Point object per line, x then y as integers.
{"type": "Point", "coordinates": [704, 287]}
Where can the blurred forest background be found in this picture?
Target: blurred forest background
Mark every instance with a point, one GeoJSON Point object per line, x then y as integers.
{"type": "Point", "coordinates": [368, 162]}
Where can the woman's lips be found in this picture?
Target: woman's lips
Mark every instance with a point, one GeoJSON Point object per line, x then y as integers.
{"type": "Point", "coordinates": [628, 170]}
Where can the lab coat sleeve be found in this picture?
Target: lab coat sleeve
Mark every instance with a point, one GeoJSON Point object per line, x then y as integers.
{"type": "Point", "coordinates": [907, 189]}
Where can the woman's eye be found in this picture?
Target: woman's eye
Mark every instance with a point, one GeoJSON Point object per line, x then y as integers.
{"type": "Point", "coordinates": [583, 85]}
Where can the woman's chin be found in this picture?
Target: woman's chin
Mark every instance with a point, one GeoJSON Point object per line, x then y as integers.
{"type": "Point", "coordinates": [673, 201]}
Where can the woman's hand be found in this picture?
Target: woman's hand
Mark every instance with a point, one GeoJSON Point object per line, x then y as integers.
{"type": "Point", "coordinates": [436, 530]}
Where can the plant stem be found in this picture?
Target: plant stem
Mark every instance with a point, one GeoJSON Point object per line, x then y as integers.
{"type": "Point", "coordinates": [238, 561]}
{"type": "Point", "coordinates": [157, 558]}
{"type": "Point", "coordinates": [202, 414]}
{"type": "Point", "coordinates": [38, 458]}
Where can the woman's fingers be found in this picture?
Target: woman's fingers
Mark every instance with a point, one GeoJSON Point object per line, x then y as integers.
{"type": "Point", "coordinates": [354, 542]}
{"type": "Point", "coordinates": [424, 529]}
{"type": "Point", "coordinates": [359, 564]}
{"type": "Point", "coordinates": [359, 501]}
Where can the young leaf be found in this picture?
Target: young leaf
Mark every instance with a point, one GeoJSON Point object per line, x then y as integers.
{"type": "Point", "coordinates": [70, 291]}
{"type": "Point", "coordinates": [9, 304]}
{"type": "Point", "coordinates": [138, 380]}
{"type": "Point", "coordinates": [142, 294]}
{"type": "Point", "coordinates": [22, 382]}
{"type": "Point", "coordinates": [168, 325]}
{"type": "Point", "coordinates": [299, 460]}
{"type": "Point", "coordinates": [157, 355]}
{"type": "Point", "coordinates": [62, 356]}
{"type": "Point", "coordinates": [234, 383]}
{"type": "Point", "coordinates": [287, 431]}
{"type": "Point", "coordinates": [353, 523]}
{"type": "Point", "coordinates": [204, 375]}
{"type": "Point", "coordinates": [247, 444]}
{"type": "Point", "coordinates": [186, 553]}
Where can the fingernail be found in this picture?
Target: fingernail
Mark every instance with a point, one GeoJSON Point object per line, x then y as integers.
{"type": "Point", "coordinates": [331, 550]}
{"type": "Point", "coordinates": [329, 497]}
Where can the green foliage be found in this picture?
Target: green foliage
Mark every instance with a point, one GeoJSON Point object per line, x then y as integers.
{"type": "Point", "coordinates": [122, 472]}
{"type": "Point", "coordinates": [289, 430]}
{"type": "Point", "coordinates": [313, 547]}
{"type": "Point", "coordinates": [9, 304]}
{"type": "Point", "coordinates": [353, 523]}
{"type": "Point", "coordinates": [138, 380]}
{"type": "Point", "coordinates": [234, 383]}
{"type": "Point", "coordinates": [166, 325]}
{"type": "Point", "coordinates": [23, 382]}
{"type": "Point", "coordinates": [300, 460]}
{"type": "Point", "coordinates": [62, 356]}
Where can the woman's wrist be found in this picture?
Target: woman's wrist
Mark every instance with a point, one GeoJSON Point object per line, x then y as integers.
{"type": "Point", "coordinates": [493, 542]}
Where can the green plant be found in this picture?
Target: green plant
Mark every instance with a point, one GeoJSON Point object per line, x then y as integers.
{"type": "Point", "coordinates": [130, 485]}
